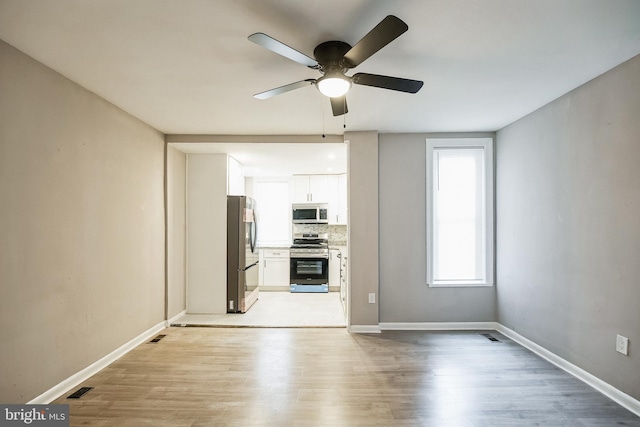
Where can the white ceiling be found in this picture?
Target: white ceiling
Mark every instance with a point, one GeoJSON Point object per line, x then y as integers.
{"type": "Point", "coordinates": [186, 67]}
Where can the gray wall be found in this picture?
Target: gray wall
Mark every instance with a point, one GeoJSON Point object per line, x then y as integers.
{"type": "Point", "coordinates": [176, 231]}
{"type": "Point", "coordinates": [404, 295]}
{"type": "Point", "coordinates": [81, 226]}
{"type": "Point", "coordinates": [362, 167]}
{"type": "Point", "coordinates": [568, 210]}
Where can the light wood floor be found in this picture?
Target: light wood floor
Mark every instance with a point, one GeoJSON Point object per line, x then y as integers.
{"type": "Point", "coordinates": [328, 377]}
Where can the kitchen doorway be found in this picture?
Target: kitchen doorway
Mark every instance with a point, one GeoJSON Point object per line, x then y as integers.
{"type": "Point", "coordinates": [275, 307]}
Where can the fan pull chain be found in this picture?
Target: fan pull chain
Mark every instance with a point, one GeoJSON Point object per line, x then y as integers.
{"type": "Point", "coordinates": [322, 108]}
{"type": "Point", "coordinates": [344, 116]}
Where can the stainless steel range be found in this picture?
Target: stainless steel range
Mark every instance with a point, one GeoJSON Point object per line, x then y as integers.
{"type": "Point", "coordinates": [309, 263]}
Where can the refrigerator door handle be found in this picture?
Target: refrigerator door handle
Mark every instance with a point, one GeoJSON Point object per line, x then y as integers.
{"type": "Point", "coordinates": [254, 236]}
{"type": "Point", "coordinates": [249, 266]}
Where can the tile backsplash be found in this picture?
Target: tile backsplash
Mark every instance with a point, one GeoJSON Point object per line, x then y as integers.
{"type": "Point", "coordinates": [337, 233]}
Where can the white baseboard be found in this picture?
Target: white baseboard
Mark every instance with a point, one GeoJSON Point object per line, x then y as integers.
{"type": "Point", "coordinates": [169, 322]}
{"type": "Point", "coordinates": [364, 329]}
{"type": "Point", "coordinates": [439, 326]}
{"type": "Point", "coordinates": [607, 389]}
{"type": "Point", "coordinates": [81, 376]}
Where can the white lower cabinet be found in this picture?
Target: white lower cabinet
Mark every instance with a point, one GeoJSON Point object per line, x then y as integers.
{"type": "Point", "coordinates": [274, 269]}
{"type": "Point", "coordinates": [335, 261]}
{"type": "Point", "coordinates": [343, 280]}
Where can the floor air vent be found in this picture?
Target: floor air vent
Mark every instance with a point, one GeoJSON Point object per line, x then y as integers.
{"type": "Point", "coordinates": [79, 393]}
{"type": "Point", "coordinates": [490, 337]}
{"type": "Point", "coordinates": [158, 338]}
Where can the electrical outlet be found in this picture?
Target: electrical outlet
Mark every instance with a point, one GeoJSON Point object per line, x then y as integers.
{"type": "Point", "coordinates": [372, 298]}
{"type": "Point", "coordinates": [622, 345]}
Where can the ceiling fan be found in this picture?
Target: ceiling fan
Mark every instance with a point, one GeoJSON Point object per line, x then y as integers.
{"type": "Point", "coordinates": [334, 58]}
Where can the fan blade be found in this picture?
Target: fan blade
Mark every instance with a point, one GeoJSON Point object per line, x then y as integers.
{"type": "Point", "coordinates": [284, 89]}
{"type": "Point", "coordinates": [339, 105]}
{"type": "Point", "coordinates": [282, 49]}
{"type": "Point", "coordinates": [386, 82]}
{"type": "Point", "coordinates": [382, 34]}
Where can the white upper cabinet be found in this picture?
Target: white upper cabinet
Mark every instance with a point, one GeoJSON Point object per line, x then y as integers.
{"type": "Point", "coordinates": [300, 188]}
{"type": "Point", "coordinates": [235, 178]}
{"type": "Point", "coordinates": [342, 199]}
{"type": "Point", "coordinates": [311, 188]}
{"type": "Point", "coordinates": [330, 189]}
{"type": "Point", "coordinates": [333, 201]}
{"type": "Point", "coordinates": [337, 199]}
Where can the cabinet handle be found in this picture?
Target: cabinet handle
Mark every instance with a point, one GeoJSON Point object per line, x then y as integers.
{"type": "Point", "coordinates": [265, 263]}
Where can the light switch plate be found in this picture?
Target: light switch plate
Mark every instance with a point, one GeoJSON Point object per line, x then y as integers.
{"type": "Point", "coordinates": [372, 298]}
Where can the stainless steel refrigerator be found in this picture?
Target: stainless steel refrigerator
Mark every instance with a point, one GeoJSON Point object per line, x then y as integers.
{"type": "Point", "coordinates": [242, 254]}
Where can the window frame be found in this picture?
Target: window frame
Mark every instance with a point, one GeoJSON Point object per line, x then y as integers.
{"type": "Point", "coordinates": [486, 144]}
{"type": "Point", "coordinates": [256, 195]}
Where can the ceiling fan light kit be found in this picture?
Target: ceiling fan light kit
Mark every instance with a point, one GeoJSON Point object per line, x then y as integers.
{"type": "Point", "coordinates": [334, 58]}
{"type": "Point", "coordinates": [333, 85]}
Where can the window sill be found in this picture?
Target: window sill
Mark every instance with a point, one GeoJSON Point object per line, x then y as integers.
{"type": "Point", "coordinates": [460, 284]}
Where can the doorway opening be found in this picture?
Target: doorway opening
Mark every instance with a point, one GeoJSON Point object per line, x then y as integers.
{"type": "Point", "coordinates": [257, 170]}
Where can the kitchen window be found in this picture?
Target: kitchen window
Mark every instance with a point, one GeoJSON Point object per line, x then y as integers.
{"type": "Point", "coordinates": [460, 212]}
{"type": "Point", "coordinates": [273, 211]}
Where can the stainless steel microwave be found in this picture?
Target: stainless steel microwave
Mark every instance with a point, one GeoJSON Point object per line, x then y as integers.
{"type": "Point", "coordinates": [310, 213]}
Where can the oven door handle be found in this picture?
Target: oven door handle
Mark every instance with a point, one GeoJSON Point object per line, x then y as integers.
{"type": "Point", "coordinates": [308, 256]}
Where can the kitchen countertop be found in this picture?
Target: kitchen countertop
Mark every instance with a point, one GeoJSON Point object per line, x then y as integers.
{"type": "Point", "coordinates": [333, 245]}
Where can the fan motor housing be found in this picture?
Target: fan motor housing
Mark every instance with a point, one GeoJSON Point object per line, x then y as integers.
{"type": "Point", "coordinates": [330, 56]}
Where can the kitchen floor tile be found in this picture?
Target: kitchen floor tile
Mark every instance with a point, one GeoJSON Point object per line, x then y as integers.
{"type": "Point", "coordinates": [279, 309]}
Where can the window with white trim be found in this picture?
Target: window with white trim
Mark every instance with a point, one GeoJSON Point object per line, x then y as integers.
{"type": "Point", "coordinates": [460, 212]}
